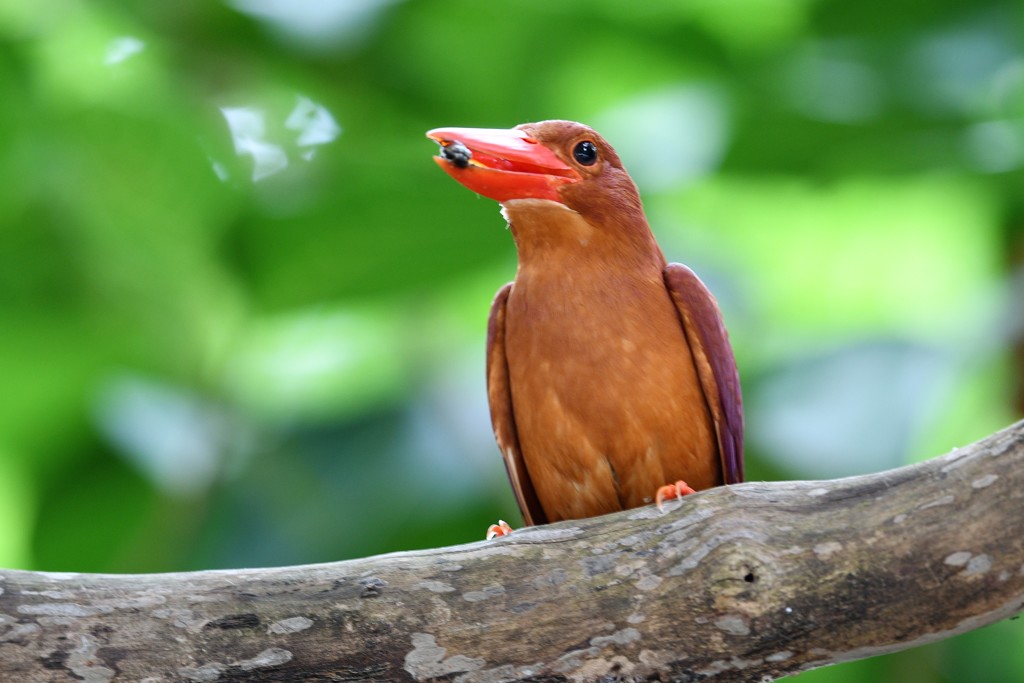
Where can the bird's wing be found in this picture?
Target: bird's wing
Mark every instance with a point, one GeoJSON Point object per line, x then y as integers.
{"type": "Point", "coordinates": [716, 365]}
{"type": "Point", "coordinates": [499, 396]}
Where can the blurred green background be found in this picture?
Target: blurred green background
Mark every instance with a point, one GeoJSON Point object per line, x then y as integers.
{"type": "Point", "coordinates": [242, 313]}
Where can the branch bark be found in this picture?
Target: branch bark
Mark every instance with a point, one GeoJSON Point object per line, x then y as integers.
{"type": "Point", "coordinates": [741, 583]}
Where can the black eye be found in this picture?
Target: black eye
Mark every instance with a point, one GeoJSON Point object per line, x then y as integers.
{"type": "Point", "coordinates": [585, 153]}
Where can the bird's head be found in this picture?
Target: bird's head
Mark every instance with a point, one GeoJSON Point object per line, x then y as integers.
{"type": "Point", "coordinates": [563, 162]}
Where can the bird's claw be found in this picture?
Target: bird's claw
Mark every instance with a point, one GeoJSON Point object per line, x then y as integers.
{"type": "Point", "coordinates": [669, 491]}
{"type": "Point", "coordinates": [500, 529]}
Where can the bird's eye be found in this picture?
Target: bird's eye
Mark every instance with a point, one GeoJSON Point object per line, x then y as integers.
{"type": "Point", "coordinates": [585, 153]}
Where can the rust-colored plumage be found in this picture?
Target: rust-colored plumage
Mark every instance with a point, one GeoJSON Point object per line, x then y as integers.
{"type": "Point", "coordinates": [609, 372]}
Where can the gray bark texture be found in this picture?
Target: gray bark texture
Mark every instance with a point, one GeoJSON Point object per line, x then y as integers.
{"type": "Point", "coordinates": [741, 583]}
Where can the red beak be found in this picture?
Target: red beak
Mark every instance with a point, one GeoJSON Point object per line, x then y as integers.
{"type": "Point", "coordinates": [502, 164]}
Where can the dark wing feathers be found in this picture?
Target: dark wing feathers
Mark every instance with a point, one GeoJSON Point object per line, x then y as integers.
{"type": "Point", "coordinates": [499, 396]}
{"type": "Point", "coordinates": [716, 365]}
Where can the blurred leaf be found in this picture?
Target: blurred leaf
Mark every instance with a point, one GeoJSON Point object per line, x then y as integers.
{"type": "Point", "coordinates": [90, 516]}
{"type": "Point", "coordinates": [17, 509]}
{"type": "Point", "coordinates": [851, 411]}
{"type": "Point", "coordinates": [863, 255]}
{"type": "Point", "coordinates": [318, 364]}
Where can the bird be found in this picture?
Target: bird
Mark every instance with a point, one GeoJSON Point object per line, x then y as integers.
{"type": "Point", "coordinates": [610, 376]}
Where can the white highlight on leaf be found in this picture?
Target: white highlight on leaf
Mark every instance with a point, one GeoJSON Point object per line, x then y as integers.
{"type": "Point", "coordinates": [313, 122]}
{"type": "Point", "coordinates": [248, 130]}
{"type": "Point", "coordinates": [121, 48]}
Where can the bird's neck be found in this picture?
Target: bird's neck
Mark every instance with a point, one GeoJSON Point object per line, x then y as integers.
{"type": "Point", "coordinates": [551, 237]}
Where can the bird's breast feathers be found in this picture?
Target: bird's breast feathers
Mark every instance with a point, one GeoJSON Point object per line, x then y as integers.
{"type": "Point", "coordinates": [603, 383]}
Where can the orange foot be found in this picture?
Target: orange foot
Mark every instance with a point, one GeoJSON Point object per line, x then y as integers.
{"type": "Point", "coordinates": [669, 491]}
{"type": "Point", "coordinates": [500, 529]}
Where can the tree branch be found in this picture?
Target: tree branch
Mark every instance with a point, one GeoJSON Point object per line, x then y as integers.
{"type": "Point", "coordinates": [740, 583]}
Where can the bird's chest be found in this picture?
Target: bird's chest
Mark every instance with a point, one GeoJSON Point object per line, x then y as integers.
{"type": "Point", "coordinates": [607, 356]}
{"type": "Point", "coordinates": [605, 395]}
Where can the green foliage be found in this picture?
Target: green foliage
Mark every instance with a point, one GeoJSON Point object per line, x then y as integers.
{"type": "Point", "coordinates": [242, 314]}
